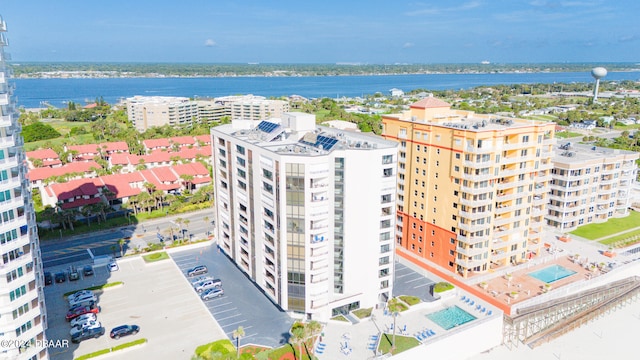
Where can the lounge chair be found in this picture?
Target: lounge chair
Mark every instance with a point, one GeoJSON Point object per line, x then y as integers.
{"type": "Point", "coordinates": [463, 298]}
{"type": "Point", "coordinates": [483, 309]}
{"type": "Point", "coordinates": [431, 332]}
{"type": "Point", "coordinates": [489, 313]}
{"type": "Point", "coordinates": [472, 303]}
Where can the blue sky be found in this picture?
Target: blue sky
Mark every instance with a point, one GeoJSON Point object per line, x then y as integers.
{"type": "Point", "coordinates": [328, 31]}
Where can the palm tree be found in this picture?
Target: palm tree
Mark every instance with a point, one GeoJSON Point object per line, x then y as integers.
{"type": "Point", "coordinates": [237, 334]}
{"type": "Point", "coordinates": [206, 223]}
{"type": "Point", "coordinates": [186, 226]}
{"type": "Point", "coordinates": [312, 329]}
{"type": "Point", "coordinates": [297, 337]}
{"type": "Point", "coordinates": [395, 307]}
{"type": "Point", "coordinates": [121, 242]}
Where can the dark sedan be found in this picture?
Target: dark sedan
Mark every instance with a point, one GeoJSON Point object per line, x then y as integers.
{"type": "Point", "coordinates": [124, 330]}
{"type": "Point", "coordinates": [60, 277]}
{"type": "Point", "coordinates": [48, 278]}
{"type": "Point", "coordinates": [81, 310]}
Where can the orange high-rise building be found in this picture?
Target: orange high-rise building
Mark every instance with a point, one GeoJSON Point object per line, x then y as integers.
{"type": "Point", "coordinates": [472, 187]}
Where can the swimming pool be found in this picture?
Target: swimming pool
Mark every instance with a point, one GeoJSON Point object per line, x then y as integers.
{"type": "Point", "coordinates": [552, 273]}
{"type": "Point", "coordinates": [450, 317]}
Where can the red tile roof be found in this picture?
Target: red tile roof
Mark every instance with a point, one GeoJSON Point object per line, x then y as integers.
{"type": "Point", "coordinates": [204, 139]}
{"type": "Point", "coordinates": [115, 146]}
{"type": "Point", "coordinates": [42, 154]}
{"type": "Point", "coordinates": [157, 156]}
{"type": "Point", "coordinates": [193, 169]}
{"type": "Point", "coordinates": [156, 143]}
{"type": "Point", "coordinates": [430, 102]}
{"type": "Point", "coordinates": [165, 174]}
{"type": "Point", "coordinates": [80, 202]}
{"type": "Point", "coordinates": [183, 140]}
{"type": "Point", "coordinates": [122, 185]}
{"type": "Point", "coordinates": [74, 189]}
{"type": "Point", "coordinates": [90, 149]}
{"type": "Point", "coordinates": [74, 167]}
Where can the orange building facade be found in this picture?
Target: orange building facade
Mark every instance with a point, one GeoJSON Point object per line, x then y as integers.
{"type": "Point", "coordinates": [472, 188]}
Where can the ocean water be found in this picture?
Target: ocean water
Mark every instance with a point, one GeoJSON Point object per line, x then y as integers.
{"type": "Point", "coordinates": [33, 92]}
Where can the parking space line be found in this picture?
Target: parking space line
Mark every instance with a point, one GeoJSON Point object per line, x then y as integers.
{"type": "Point", "coordinates": [423, 285]}
{"type": "Point", "coordinates": [416, 279]}
{"type": "Point", "coordinates": [218, 305]}
{"type": "Point", "coordinates": [220, 312]}
{"type": "Point", "coordinates": [237, 322]}
{"type": "Point", "coordinates": [228, 317]}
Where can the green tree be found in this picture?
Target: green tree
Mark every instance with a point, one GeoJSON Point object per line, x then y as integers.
{"type": "Point", "coordinates": [238, 334]}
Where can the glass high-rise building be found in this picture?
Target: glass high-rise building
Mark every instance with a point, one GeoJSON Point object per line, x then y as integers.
{"type": "Point", "coordinates": [22, 307]}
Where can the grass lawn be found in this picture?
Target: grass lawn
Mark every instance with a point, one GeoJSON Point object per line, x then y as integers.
{"type": "Point", "coordinates": [567, 134]}
{"type": "Point", "coordinates": [611, 227]}
{"type": "Point", "coordinates": [403, 343]}
{"type": "Point", "coordinates": [155, 257]}
{"type": "Point", "coordinates": [621, 240]}
{"type": "Point", "coordinates": [362, 313]}
{"type": "Point", "coordinates": [411, 300]}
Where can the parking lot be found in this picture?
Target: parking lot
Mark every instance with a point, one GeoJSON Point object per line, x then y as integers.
{"type": "Point", "coordinates": [409, 282]}
{"type": "Point", "coordinates": [154, 296]}
{"type": "Point", "coordinates": [242, 304]}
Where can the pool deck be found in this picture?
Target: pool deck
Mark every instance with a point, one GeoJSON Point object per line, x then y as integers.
{"type": "Point", "coordinates": [360, 336]}
{"type": "Point", "coordinates": [520, 286]}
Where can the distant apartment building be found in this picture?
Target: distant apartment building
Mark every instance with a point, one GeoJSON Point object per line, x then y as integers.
{"type": "Point", "coordinates": [472, 188]}
{"type": "Point", "coordinates": [244, 107]}
{"type": "Point", "coordinates": [148, 111]}
{"type": "Point", "coordinates": [589, 185]}
{"type": "Point", "coordinates": [307, 212]}
{"type": "Point", "coordinates": [22, 306]}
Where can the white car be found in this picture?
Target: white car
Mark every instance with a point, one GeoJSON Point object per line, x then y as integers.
{"type": "Point", "coordinates": [208, 284]}
{"type": "Point", "coordinates": [200, 279]}
{"type": "Point", "coordinates": [82, 319]}
{"type": "Point", "coordinates": [93, 324]}
{"type": "Point", "coordinates": [78, 294]}
{"type": "Point", "coordinates": [82, 299]}
{"type": "Point", "coordinates": [113, 266]}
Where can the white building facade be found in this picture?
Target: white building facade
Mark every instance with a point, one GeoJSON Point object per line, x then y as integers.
{"type": "Point", "coordinates": [148, 111]}
{"type": "Point", "coordinates": [307, 212]}
{"type": "Point", "coordinates": [22, 306]}
{"type": "Point", "coordinates": [590, 185]}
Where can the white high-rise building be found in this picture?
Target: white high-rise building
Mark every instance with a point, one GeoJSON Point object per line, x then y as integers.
{"type": "Point", "coordinates": [307, 212]}
{"type": "Point", "coordinates": [22, 307]}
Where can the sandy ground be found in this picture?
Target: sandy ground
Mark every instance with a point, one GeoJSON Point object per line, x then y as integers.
{"type": "Point", "coordinates": [613, 336]}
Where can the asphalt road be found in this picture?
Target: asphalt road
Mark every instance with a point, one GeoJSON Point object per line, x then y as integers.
{"type": "Point", "coordinates": [74, 249]}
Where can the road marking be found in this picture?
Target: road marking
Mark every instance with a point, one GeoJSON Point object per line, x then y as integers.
{"type": "Point", "coordinates": [220, 312]}
{"type": "Point", "coordinates": [227, 303]}
{"type": "Point", "coordinates": [228, 317]}
{"type": "Point", "coordinates": [423, 285]}
{"type": "Point", "coordinates": [416, 279]}
{"type": "Point", "coordinates": [237, 322]}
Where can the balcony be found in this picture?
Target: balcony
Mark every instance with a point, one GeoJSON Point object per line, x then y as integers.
{"type": "Point", "coordinates": [478, 164]}
{"type": "Point", "coordinates": [469, 251]}
{"type": "Point", "coordinates": [474, 215]}
{"type": "Point", "coordinates": [476, 190]}
{"type": "Point", "coordinates": [473, 228]}
{"type": "Point", "coordinates": [471, 263]}
{"type": "Point", "coordinates": [482, 150]}
{"type": "Point", "coordinates": [476, 203]}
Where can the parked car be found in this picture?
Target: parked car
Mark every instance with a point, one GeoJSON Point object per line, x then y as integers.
{"type": "Point", "coordinates": [88, 325]}
{"type": "Point", "coordinates": [82, 299]}
{"type": "Point", "coordinates": [200, 279]}
{"type": "Point", "coordinates": [212, 293]}
{"type": "Point", "coordinates": [48, 278]}
{"type": "Point", "coordinates": [81, 310]}
{"type": "Point", "coordinates": [198, 270]}
{"type": "Point", "coordinates": [88, 334]}
{"type": "Point", "coordinates": [78, 294]}
{"type": "Point", "coordinates": [124, 330]}
{"type": "Point", "coordinates": [87, 270]}
{"type": "Point", "coordinates": [82, 318]}
{"type": "Point", "coordinates": [60, 277]}
{"type": "Point", "coordinates": [74, 274]}
{"type": "Point", "coordinates": [208, 285]}
{"type": "Point", "coordinates": [113, 266]}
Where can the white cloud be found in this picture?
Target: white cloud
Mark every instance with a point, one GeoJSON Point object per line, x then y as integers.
{"type": "Point", "coordinates": [210, 43]}
{"type": "Point", "coordinates": [408, 45]}
{"type": "Point", "coordinates": [434, 10]}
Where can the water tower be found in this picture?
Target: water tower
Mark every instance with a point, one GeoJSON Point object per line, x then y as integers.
{"type": "Point", "coordinates": [597, 73]}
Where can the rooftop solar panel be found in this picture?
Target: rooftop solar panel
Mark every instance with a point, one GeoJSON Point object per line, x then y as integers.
{"type": "Point", "coordinates": [267, 126]}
